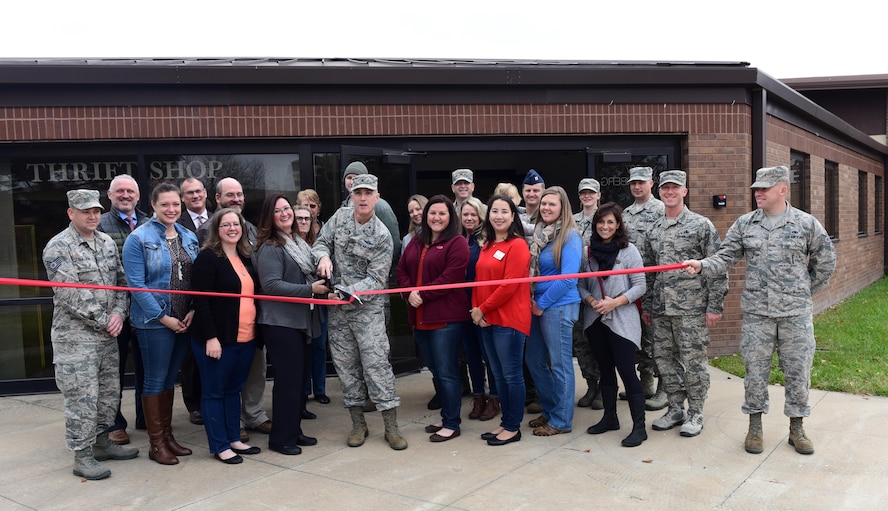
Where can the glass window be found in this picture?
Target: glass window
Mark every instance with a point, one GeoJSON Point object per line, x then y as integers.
{"type": "Point", "coordinates": [831, 193]}
{"type": "Point", "coordinates": [879, 212]}
{"type": "Point", "coordinates": [799, 172]}
{"type": "Point", "coordinates": [862, 196]}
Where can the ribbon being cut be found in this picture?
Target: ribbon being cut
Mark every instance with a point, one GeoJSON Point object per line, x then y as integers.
{"type": "Point", "coordinates": [5, 281]}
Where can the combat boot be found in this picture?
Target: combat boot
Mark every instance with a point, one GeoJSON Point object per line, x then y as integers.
{"type": "Point", "coordinates": [649, 387]}
{"type": "Point", "coordinates": [479, 402]}
{"type": "Point", "coordinates": [359, 427]}
{"type": "Point", "coordinates": [754, 438]}
{"type": "Point", "coordinates": [105, 449]}
{"type": "Point", "coordinates": [597, 401]}
{"type": "Point", "coordinates": [586, 400]}
{"type": "Point", "coordinates": [797, 437]}
{"type": "Point", "coordinates": [659, 400]}
{"type": "Point", "coordinates": [609, 421]}
{"type": "Point", "coordinates": [491, 410]}
{"type": "Point", "coordinates": [86, 466]}
{"type": "Point", "coordinates": [392, 434]}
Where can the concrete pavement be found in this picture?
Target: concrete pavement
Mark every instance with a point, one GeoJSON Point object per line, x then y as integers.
{"type": "Point", "coordinates": [570, 471]}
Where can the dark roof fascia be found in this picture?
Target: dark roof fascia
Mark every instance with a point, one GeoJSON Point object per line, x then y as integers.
{"type": "Point", "coordinates": [808, 115]}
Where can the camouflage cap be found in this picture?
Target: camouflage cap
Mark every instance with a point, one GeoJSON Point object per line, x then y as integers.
{"type": "Point", "coordinates": [641, 174]}
{"type": "Point", "coordinates": [355, 167]}
{"type": "Point", "coordinates": [462, 175]}
{"type": "Point", "coordinates": [84, 199]}
{"type": "Point", "coordinates": [678, 177]}
{"type": "Point", "coordinates": [368, 181]}
{"type": "Point", "coordinates": [770, 176]}
{"type": "Point", "coordinates": [589, 184]}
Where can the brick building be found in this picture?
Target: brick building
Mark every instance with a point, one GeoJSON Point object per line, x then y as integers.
{"type": "Point", "coordinates": [284, 125]}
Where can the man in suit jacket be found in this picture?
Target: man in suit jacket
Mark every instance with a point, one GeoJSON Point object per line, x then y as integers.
{"type": "Point", "coordinates": [194, 215]}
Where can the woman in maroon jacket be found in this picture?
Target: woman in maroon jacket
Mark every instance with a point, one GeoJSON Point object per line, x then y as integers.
{"type": "Point", "coordinates": [438, 255]}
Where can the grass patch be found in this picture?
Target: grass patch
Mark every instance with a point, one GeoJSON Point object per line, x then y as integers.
{"type": "Point", "coordinates": [852, 352]}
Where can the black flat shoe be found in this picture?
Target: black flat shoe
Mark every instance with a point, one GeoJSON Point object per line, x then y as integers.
{"type": "Point", "coordinates": [251, 450]}
{"type": "Point", "coordinates": [285, 449]}
{"type": "Point", "coordinates": [322, 398]}
{"type": "Point", "coordinates": [234, 460]}
{"type": "Point", "coordinates": [438, 438]}
{"type": "Point", "coordinates": [496, 441]}
{"type": "Point", "coordinates": [487, 436]}
{"type": "Point", "coordinates": [431, 428]}
{"type": "Point", "coordinates": [308, 415]}
{"type": "Point", "coordinates": [306, 440]}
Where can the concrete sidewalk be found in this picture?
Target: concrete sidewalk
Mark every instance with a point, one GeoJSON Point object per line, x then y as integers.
{"type": "Point", "coordinates": [571, 471]}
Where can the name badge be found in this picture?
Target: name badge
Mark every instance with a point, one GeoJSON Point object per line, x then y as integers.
{"type": "Point", "coordinates": [498, 255]}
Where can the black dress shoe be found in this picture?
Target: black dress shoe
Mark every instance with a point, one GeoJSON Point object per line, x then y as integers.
{"type": "Point", "coordinates": [251, 450]}
{"type": "Point", "coordinates": [196, 418]}
{"type": "Point", "coordinates": [285, 449]}
{"type": "Point", "coordinates": [322, 398]}
{"type": "Point", "coordinates": [308, 415]}
{"type": "Point", "coordinates": [234, 460]}
{"type": "Point", "coordinates": [496, 441]}
{"type": "Point", "coordinates": [306, 440]}
{"type": "Point", "coordinates": [487, 436]}
{"type": "Point", "coordinates": [434, 403]}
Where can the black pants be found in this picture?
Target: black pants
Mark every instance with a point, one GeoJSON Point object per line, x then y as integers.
{"type": "Point", "coordinates": [288, 350]}
{"type": "Point", "coordinates": [613, 354]}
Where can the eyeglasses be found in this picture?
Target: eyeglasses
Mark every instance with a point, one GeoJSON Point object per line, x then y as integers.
{"type": "Point", "coordinates": [231, 195]}
{"type": "Point", "coordinates": [303, 218]}
{"type": "Point", "coordinates": [283, 210]}
{"type": "Point", "coordinates": [312, 206]}
{"type": "Point", "coordinates": [195, 192]}
{"type": "Point", "coordinates": [227, 225]}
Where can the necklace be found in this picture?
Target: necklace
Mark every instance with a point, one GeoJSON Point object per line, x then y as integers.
{"type": "Point", "coordinates": [238, 265]}
{"type": "Point", "coordinates": [174, 254]}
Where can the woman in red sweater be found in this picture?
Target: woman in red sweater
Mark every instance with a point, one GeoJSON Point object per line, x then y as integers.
{"type": "Point", "coordinates": [503, 312]}
{"type": "Point", "coordinates": [438, 255]}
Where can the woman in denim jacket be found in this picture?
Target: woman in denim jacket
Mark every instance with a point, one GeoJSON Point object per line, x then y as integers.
{"type": "Point", "coordinates": [159, 255]}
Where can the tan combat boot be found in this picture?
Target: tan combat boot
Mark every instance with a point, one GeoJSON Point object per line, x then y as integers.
{"type": "Point", "coordinates": [359, 427]}
{"type": "Point", "coordinates": [392, 434]}
{"type": "Point", "coordinates": [797, 437]}
{"type": "Point", "coordinates": [754, 436]}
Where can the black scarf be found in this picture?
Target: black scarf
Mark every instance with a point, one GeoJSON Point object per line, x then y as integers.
{"type": "Point", "coordinates": [604, 253]}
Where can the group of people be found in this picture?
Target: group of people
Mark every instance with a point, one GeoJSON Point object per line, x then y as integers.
{"type": "Point", "coordinates": [519, 333]}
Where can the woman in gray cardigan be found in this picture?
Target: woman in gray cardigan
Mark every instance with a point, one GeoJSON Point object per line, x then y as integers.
{"type": "Point", "coordinates": [611, 320]}
{"type": "Point", "coordinates": [285, 267]}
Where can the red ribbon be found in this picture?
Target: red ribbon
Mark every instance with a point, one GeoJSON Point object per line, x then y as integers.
{"type": "Point", "coordinates": [647, 269]}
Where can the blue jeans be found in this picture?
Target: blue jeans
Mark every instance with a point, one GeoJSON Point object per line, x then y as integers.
{"type": "Point", "coordinates": [440, 350]}
{"type": "Point", "coordinates": [316, 372]}
{"type": "Point", "coordinates": [476, 359]}
{"type": "Point", "coordinates": [504, 347]}
{"type": "Point", "coordinates": [550, 360]}
{"type": "Point", "coordinates": [221, 382]}
{"type": "Point", "coordinates": [162, 354]}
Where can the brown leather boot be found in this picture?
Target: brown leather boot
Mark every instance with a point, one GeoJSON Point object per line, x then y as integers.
{"type": "Point", "coordinates": [167, 410]}
{"type": "Point", "coordinates": [479, 402]}
{"type": "Point", "coordinates": [491, 410]}
{"type": "Point", "coordinates": [157, 446]}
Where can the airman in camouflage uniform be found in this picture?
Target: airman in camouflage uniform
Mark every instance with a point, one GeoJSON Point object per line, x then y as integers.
{"type": "Point", "coordinates": [589, 190]}
{"type": "Point", "coordinates": [354, 250]}
{"type": "Point", "coordinates": [639, 218]}
{"type": "Point", "coordinates": [85, 324]}
{"type": "Point", "coordinates": [681, 309]}
{"type": "Point", "coordinates": [789, 257]}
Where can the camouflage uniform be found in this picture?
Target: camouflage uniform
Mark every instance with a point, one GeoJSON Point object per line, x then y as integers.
{"type": "Point", "coordinates": [639, 220]}
{"type": "Point", "coordinates": [786, 263]}
{"type": "Point", "coordinates": [581, 350]}
{"type": "Point", "coordinates": [86, 357]}
{"type": "Point", "coordinates": [359, 344]}
{"type": "Point", "coordinates": [678, 304]}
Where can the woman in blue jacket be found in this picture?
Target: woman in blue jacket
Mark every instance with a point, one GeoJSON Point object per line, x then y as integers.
{"type": "Point", "coordinates": [158, 255]}
{"type": "Point", "coordinates": [555, 249]}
